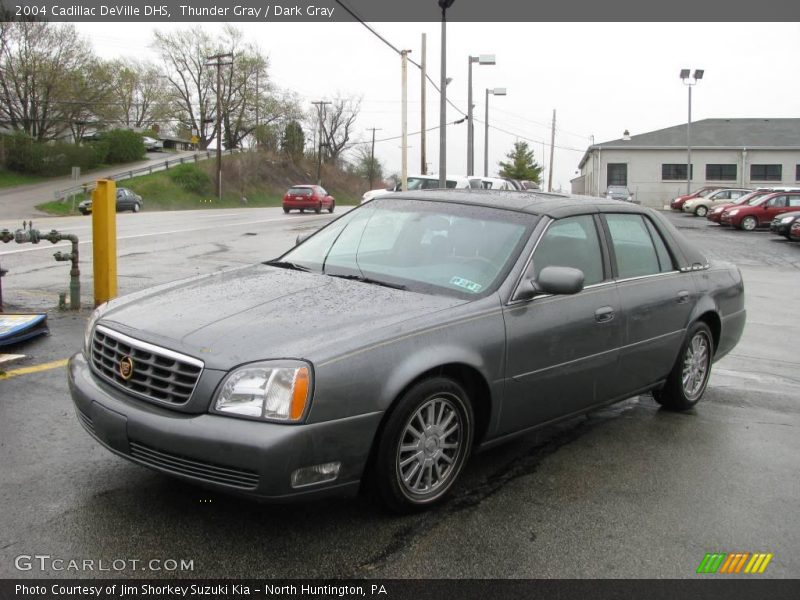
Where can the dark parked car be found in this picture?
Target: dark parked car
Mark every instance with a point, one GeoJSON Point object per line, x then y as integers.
{"type": "Point", "coordinates": [794, 232]}
{"type": "Point", "coordinates": [308, 197]}
{"type": "Point", "coordinates": [619, 192]}
{"type": "Point", "coordinates": [389, 345]}
{"type": "Point", "coordinates": [126, 200]}
{"type": "Point", "coordinates": [761, 212]}
{"type": "Point", "coordinates": [782, 224]}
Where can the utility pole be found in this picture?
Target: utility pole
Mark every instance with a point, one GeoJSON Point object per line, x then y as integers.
{"type": "Point", "coordinates": [372, 156]}
{"type": "Point", "coordinates": [219, 64]}
{"type": "Point", "coordinates": [258, 98]}
{"type": "Point", "coordinates": [404, 119]}
{"type": "Point", "coordinates": [423, 85]}
{"type": "Point", "coordinates": [320, 104]}
{"type": "Point", "coordinates": [552, 147]}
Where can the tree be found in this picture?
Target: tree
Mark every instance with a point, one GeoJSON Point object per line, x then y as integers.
{"type": "Point", "coordinates": [338, 122]}
{"type": "Point", "coordinates": [140, 95]}
{"type": "Point", "coordinates": [47, 78]}
{"type": "Point", "coordinates": [367, 166]}
{"type": "Point", "coordinates": [522, 165]}
{"type": "Point", "coordinates": [293, 141]}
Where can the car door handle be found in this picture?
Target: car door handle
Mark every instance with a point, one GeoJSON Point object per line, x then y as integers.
{"type": "Point", "coordinates": [604, 314]}
{"type": "Point", "coordinates": [683, 297]}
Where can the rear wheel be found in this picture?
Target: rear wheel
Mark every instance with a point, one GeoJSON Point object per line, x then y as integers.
{"type": "Point", "coordinates": [689, 377]}
{"type": "Point", "coordinates": [302, 210]}
{"type": "Point", "coordinates": [749, 223]}
{"type": "Point", "coordinates": [285, 210]}
{"type": "Point", "coordinates": [136, 207]}
{"type": "Point", "coordinates": [423, 446]}
{"type": "Point", "coordinates": [701, 211]}
{"type": "Point", "coordinates": [318, 209]}
{"type": "Point", "coordinates": [332, 207]}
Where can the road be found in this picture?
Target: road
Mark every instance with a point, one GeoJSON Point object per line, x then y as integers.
{"type": "Point", "coordinates": [19, 202]}
{"type": "Point", "coordinates": [629, 491]}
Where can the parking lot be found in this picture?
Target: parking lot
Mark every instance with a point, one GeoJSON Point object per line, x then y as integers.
{"type": "Point", "coordinates": [630, 491]}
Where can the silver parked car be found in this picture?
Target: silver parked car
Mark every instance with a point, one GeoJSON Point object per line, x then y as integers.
{"type": "Point", "coordinates": [385, 348]}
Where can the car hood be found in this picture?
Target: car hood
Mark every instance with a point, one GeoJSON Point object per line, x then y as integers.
{"type": "Point", "coordinates": [265, 312]}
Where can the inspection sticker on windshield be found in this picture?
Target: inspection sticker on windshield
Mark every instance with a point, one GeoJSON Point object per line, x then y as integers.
{"type": "Point", "coordinates": [467, 284]}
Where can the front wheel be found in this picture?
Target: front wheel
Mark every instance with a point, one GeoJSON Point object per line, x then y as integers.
{"type": "Point", "coordinates": [423, 446]}
{"type": "Point", "coordinates": [689, 377]}
{"type": "Point", "coordinates": [318, 209]}
{"type": "Point", "coordinates": [701, 211]}
{"type": "Point", "coordinates": [749, 223]}
{"type": "Point", "coordinates": [136, 207]}
{"type": "Point", "coordinates": [332, 207]}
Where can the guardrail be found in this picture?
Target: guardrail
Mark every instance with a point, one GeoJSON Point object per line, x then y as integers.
{"type": "Point", "coordinates": [122, 175]}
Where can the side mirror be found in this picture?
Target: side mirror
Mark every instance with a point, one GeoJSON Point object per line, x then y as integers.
{"type": "Point", "coordinates": [301, 238]}
{"type": "Point", "coordinates": [553, 280]}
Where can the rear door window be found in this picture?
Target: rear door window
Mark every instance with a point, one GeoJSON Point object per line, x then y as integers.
{"type": "Point", "coordinates": [638, 247]}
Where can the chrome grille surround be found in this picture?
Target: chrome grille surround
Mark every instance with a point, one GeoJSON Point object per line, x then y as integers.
{"type": "Point", "coordinates": [159, 375]}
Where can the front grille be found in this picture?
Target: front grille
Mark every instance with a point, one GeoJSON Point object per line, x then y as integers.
{"type": "Point", "coordinates": [157, 373]}
{"type": "Point", "coordinates": [182, 465]}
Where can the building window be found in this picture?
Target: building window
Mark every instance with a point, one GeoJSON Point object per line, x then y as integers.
{"type": "Point", "coordinates": [617, 174]}
{"type": "Point", "coordinates": [766, 172]}
{"type": "Point", "coordinates": [721, 172]}
{"type": "Point", "coordinates": [674, 172]}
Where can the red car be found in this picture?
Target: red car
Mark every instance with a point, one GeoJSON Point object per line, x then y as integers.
{"type": "Point", "coordinates": [761, 213]}
{"type": "Point", "coordinates": [677, 203]}
{"type": "Point", "coordinates": [715, 214]}
{"type": "Point", "coordinates": [308, 197]}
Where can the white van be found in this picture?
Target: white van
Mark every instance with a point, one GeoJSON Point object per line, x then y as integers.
{"type": "Point", "coordinates": [419, 182]}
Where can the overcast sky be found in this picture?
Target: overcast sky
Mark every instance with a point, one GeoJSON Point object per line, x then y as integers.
{"type": "Point", "coordinates": [601, 78]}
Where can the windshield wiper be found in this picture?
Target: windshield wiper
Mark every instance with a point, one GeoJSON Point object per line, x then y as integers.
{"type": "Point", "coordinates": [282, 264]}
{"type": "Point", "coordinates": [362, 279]}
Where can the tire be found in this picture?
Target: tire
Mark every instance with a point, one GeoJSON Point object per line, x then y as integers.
{"type": "Point", "coordinates": [749, 223]}
{"type": "Point", "coordinates": [136, 208]}
{"type": "Point", "coordinates": [318, 209]}
{"type": "Point", "coordinates": [688, 379]}
{"type": "Point", "coordinates": [701, 211]}
{"type": "Point", "coordinates": [332, 207]}
{"type": "Point", "coordinates": [302, 210]}
{"type": "Point", "coordinates": [285, 210]}
{"type": "Point", "coordinates": [413, 470]}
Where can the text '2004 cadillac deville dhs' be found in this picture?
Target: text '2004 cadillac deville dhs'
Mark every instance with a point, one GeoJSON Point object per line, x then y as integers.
{"type": "Point", "coordinates": [385, 348]}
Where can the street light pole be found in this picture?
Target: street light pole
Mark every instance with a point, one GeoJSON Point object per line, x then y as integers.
{"type": "Point", "coordinates": [444, 5]}
{"type": "Point", "coordinates": [494, 92]}
{"type": "Point", "coordinates": [690, 81]}
{"type": "Point", "coordinates": [483, 59]}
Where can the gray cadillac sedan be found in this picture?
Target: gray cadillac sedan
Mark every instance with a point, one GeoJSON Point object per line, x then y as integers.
{"type": "Point", "coordinates": [384, 349]}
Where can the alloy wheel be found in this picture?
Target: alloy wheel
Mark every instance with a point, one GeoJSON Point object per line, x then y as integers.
{"type": "Point", "coordinates": [696, 362]}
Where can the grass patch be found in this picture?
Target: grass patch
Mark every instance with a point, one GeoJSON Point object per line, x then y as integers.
{"type": "Point", "coordinates": [10, 179]}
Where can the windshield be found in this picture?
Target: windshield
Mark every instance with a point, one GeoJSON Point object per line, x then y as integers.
{"type": "Point", "coordinates": [433, 247]}
{"type": "Point", "coordinates": [748, 197]}
{"type": "Point", "coordinates": [707, 193]}
{"type": "Point", "coordinates": [757, 200]}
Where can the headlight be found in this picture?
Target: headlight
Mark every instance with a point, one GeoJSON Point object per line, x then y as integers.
{"type": "Point", "coordinates": [787, 219]}
{"type": "Point", "coordinates": [87, 335]}
{"type": "Point", "coordinates": [273, 391]}
{"type": "Point", "coordinates": [734, 212]}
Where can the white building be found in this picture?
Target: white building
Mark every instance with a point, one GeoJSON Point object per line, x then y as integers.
{"type": "Point", "coordinates": [746, 153]}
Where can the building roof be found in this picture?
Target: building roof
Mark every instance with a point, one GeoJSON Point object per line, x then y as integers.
{"type": "Point", "coordinates": [714, 133]}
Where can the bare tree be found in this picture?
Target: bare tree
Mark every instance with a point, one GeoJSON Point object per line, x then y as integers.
{"type": "Point", "coordinates": [46, 78]}
{"type": "Point", "coordinates": [140, 95]}
{"type": "Point", "coordinates": [338, 123]}
{"type": "Point", "coordinates": [191, 81]}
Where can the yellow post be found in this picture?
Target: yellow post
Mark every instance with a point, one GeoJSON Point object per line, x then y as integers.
{"type": "Point", "coordinates": [104, 240]}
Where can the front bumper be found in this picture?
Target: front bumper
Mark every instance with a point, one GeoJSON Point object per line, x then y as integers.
{"type": "Point", "coordinates": [233, 455]}
{"type": "Point", "coordinates": [780, 228]}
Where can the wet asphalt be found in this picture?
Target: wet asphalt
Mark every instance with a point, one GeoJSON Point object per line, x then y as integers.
{"type": "Point", "coordinates": [628, 491]}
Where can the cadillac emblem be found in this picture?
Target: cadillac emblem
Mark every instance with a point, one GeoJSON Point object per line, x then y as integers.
{"type": "Point", "coordinates": [126, 367]}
